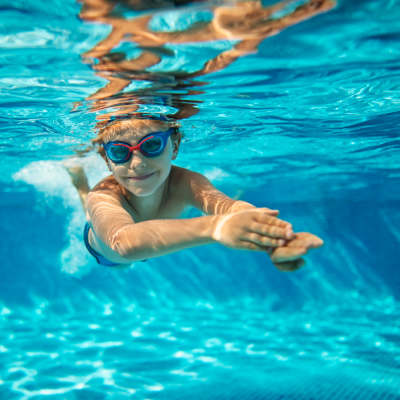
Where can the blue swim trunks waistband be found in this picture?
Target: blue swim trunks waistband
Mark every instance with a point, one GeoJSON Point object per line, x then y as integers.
{"type": "Point", "coordinates": [99, 258]}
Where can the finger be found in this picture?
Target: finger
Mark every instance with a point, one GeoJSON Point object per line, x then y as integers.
{"type": "Point", "coordinates": [269, 211]}
{"type": "Point", "coordinates": [290, 265]}
{"type": "Point", "coordinates": [283, 254]}
{"type": "Point", "coordinates": [262, 240]}
{"type": "Point", "coordinates": [307, 240]}
{"type": "Point", "coordinates": [272, 231]}
{"type": "Point", "coordinates": [245, 245]}
{"type": "Point", "coordinates": [263, 218]}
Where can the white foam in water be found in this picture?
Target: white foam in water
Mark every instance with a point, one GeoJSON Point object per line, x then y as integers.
{"type": "Point", "coordinates": [216, 174]}
{"type": "Point", "coordinates": [35, 38]}
{"type": "Point", "coordinates": [51, 179]}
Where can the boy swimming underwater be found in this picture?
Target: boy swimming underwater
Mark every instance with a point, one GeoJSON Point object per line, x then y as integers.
{"type": "Point", "coordinates": [133, 213]}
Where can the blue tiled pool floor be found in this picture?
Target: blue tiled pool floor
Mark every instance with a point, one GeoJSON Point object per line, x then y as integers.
{"type": "Point", "coordinates": [203, 353]}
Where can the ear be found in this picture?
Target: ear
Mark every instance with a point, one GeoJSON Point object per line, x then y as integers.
{"type": "Point", "coordinates": [176, 141]}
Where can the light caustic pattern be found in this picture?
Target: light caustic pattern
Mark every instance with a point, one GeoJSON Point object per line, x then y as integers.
{"type": "Point", "coordinates": [220, 352]}
{"type": "Point", "coordinates": [316, 110]}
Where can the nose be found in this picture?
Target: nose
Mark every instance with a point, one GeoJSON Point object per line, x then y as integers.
{"type": "Point", "coordinates": [137, 161]}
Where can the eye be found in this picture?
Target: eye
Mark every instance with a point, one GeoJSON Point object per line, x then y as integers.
{"type": "Point", "coordinates": [152, 145]}
{"type": "Point", "coordinates": [118, 152]}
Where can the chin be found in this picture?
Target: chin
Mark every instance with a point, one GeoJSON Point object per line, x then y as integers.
{"type": "Point", "coordinates": [144, 189]}
{"type": "Point", "coordinates": [141, 192]}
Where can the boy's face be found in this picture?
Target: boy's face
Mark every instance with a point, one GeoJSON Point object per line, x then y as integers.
{"type": "Point", "coordinates": [142, 175]}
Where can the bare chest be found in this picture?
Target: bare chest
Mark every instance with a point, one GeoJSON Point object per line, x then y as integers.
{"type": "Point", "coordinates": [169, 209]}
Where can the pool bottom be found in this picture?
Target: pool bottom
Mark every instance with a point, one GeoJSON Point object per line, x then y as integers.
{"type": "Point", "coordinates": [205, 352]}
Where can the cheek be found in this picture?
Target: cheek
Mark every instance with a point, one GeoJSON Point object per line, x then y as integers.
{"type": "Point", "coordinates": [166, 157]}
{"type": "Point", "coordinates": [163, 164]}
{"type": "Point", "coordinates": [169, 150]}
{"type": "Point", "coordinates": [118, 169]}
{"type": "Point", "coordinates": [163, 161]}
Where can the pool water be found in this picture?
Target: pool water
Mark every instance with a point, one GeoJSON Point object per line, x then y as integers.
{"type": "Point", "coordinates": [308, 123]}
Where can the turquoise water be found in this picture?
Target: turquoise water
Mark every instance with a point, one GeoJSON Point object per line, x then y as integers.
{"type": "Point", "coordinates": [308, 124]}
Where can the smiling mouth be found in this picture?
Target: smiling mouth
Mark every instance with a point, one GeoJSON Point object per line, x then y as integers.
{"type": "Point", "coordinates": [141, 178]}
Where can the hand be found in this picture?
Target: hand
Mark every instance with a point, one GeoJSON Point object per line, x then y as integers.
{"type": "Point", "coordinates": [252, 229]}
{"type": "Point", "coordinates": [240, 205]}
{"type": "Point", "coordinates": [288, 256]}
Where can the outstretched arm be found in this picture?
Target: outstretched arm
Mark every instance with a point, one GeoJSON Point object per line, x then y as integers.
{"type": "Point", "coordinates": [80, 181]}
{"type": "Point", "coordinates": [201, 194]}
{"type": "Point", "coordinates": [226, 58]}
{"type": "Point", "coordinates": [286, 256]}
{"type": "Point", "coordinates": [121, 239]}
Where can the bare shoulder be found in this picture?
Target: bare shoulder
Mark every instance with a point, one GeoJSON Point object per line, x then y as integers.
{"type": "Point", "coordinates": [184, 180]}
{"type": "Point", "coordinates": [107, 207]}
{"type": "Point", "coordinates": [108, 189]}
{"type": "Point", "coordinates": [108, 184]}
{"type": "Point", "coordinates": [184, 176]}
{"type": "Point", "coordinates": [192, 186]}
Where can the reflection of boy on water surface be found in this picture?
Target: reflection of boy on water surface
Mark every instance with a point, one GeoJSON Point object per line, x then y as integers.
{"type": "Point", "coordinates": [246, 22]}
{"type": "Point", "coordinates": [133, 214]}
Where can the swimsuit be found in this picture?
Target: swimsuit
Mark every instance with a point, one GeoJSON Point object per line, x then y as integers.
{"type": "Point", "coordinates": [99, 258]}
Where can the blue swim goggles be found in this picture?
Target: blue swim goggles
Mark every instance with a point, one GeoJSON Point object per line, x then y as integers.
{"type": "Point", "coordinates": [151, 145]}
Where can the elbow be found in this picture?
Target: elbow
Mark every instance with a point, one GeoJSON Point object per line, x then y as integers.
{"type": "Point", "coordinates": [122, 251]}
{"type": "Point", "coordinates": [128, 249]}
